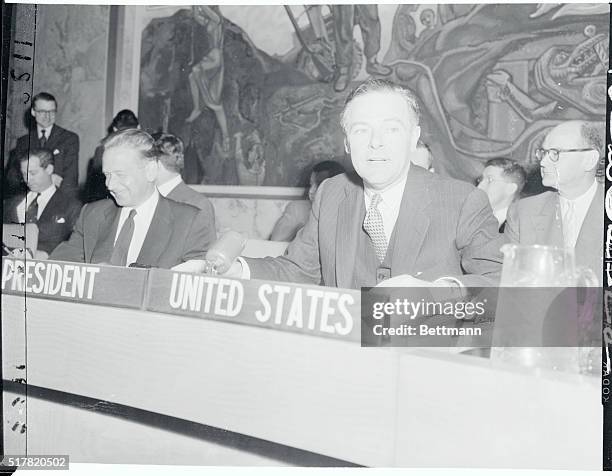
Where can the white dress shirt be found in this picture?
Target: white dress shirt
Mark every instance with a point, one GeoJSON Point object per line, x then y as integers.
{"type": "Point", "coordinates": [142, 221]}
{"type": "Point", "coordinates": [166, 188]}
{"type": "Point", "coordinates": [572, 221]}
{"type": "Point", "coordinates": [43, 199]}
{"type": "Point", "coordinates": [47, 131]}
{"type": "Point", "coordinates": [501, 215]}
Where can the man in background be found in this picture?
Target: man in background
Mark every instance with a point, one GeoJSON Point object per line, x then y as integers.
{"type": "Point", "coordinates": [423, 157]}
{"type": "Point", "coordinates": [139, 226]}
{"type": "Point", "coordinates": [296, 213]}
{"type": "Point", "coordinates": [52, 210]}
{"type": "Point", "coordinates": [572, 215]}
{"type": "Point", "coordinates": [46, 134]}
{"type": "Point", "coordinates": [503, 181]}
{"type": "Point", "coordinates": [171, 160]}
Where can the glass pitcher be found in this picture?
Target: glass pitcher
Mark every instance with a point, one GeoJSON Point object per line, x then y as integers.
{"type": "Point", "coordinates": [546, 327]}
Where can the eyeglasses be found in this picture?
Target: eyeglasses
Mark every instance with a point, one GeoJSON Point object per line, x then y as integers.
{"type": "Point", "coordinates": [48, 113]}
{"type": "Point", "coordinates": [553, 154]}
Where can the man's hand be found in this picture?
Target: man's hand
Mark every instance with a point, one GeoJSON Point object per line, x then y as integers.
{"type": "Point", "coordinates": [41, 255]}
{"type": "Point", "coordinates": [235, 270]}
{"type": "Point", "coordinates": [57, 180]}
{"type": "Point", "coordinates": [21, 253]}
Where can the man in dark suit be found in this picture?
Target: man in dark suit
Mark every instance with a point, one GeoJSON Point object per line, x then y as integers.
{"type": "Point", "coordinates": [503, 181]}
{"type": "Point", "coordinates": [63, 145]}
{"type": "Point", "coordinates": [392, 220]}
{"type": "Point", "coordinates": [572, 215]}
{"type": "Point", "coordinates": [53, 211]}
{"type": "Point", "coordinates": [139, 226]}
{"type": "Point", "coordinates": [171, 160]}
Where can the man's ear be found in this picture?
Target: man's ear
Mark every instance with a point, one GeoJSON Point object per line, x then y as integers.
{"type": "Point", "coordinates": [590, 160]}
{"type": "Point", "coordinates": [347, 148]}
{"type": "Point", "coordinates": [416, 134]}
{"type": "Point", "coordinates": [32, 112]}
{"type": "Point", "coordinates": [512, 188]}
{"type": "Point", "coordinates": [151, 170]}
{"type": "Point", "coordinates": [50, 169]}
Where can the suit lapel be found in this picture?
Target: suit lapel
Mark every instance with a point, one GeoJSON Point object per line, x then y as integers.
{"type": "Point", "coordinates": [411, 225]}
{"type": "Point", "coordinates": [53, 204]}
{"type": "Point", "coordinates": [107, 229]}
{"type": "Point", "coordinates": [351, 214]}
{"type": "Point", "coordinates": [158, 234]}
{"type": "Point", "coordinates": [547, 223]}
{"type": "Point", "coordinates": [590, 236]}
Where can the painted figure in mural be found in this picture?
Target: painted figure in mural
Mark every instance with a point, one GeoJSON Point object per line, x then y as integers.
{"type": "Point", "coordinates": [206, 77]}
{"type": "Point", "coordinates": [345, 19]}
{"type": "Point", "coordinates": [252, 167]}
{"type": "Point", "coordinates": [493, 78]}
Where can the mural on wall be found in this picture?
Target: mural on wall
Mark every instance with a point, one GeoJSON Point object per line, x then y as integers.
{"type": "Point", "coordinates": [491, 80]}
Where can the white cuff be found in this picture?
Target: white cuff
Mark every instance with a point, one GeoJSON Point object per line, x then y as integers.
{"type": "Point", "coordinates": [246, 271]}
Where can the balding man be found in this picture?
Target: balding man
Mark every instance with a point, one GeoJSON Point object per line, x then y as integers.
{"type": "Point", "coordinates": [139, 225]}
{"type": "Point", "coordinates": [572, 215]}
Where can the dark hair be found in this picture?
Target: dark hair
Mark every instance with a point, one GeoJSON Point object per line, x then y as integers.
{"type": "Point", "coordinates": [171, 151]}
{"type": "Point", "coordinates": [134, 138]}
{"type": "Point", "coordinates": [45, 157]}
{"type": "Point", "coordinates": [43, 96]}
{"type": "Point", "coordinates": [326, 169]}
{"type": "Point", "coordinates": [423, 145]}
{"type": "Point", "coordinates": [382, 85]}
{"type": "Point", "coordinates": [512, 170]}
{"type": "Point", "coordinates": [125, 119]}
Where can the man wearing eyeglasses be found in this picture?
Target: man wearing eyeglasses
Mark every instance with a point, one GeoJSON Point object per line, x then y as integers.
{"type": "Point", "coordinates": [63, 145]}
{"type": "Point", "coordinates": [572, 215]}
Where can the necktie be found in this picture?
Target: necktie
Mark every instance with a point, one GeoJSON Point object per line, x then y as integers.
{"type": "Point", "coordinates": [569, 228]}
{"type": "Point", "coordinates": [31, 214]}
{"type": "Point", "coordinates": [122, 245]}
{"type": "Point", "coordinates": [43, 139]}
{"type": "Point", "coordinates": [373, 225]}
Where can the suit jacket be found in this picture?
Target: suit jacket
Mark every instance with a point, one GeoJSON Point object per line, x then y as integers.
{"type": "Point", "coordinates": [66, 159]}
{"type": "Point", "coordinates": [291, 221]}
{"type": "Point", "coordinates": [536, 220]}
{"type": "Point", "coordinates": [183, 193]}
{"type": "Point", "coordinates": [177, 233]}
{"type": "Point", "coordinates": [56, 221]}
{"type": "Point", "coordinates": [445, 227]}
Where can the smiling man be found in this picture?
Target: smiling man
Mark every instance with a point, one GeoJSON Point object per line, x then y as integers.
{"type": "Point", "coordinates": [391, 220]}
{"type": "Point", "coordinates": [139, 226]}
{"type": "Point", "coordinates": [572, 215]}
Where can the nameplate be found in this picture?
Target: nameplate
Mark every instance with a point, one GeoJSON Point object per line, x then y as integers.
{"type": "Point", "coordinates": [76, 282]}
{"type": "Point", "coordinates": [314, 310]}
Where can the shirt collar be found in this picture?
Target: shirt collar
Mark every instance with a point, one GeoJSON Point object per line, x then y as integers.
{"type": "Point", "coordinates": [391, 196]}
{"type": "Point", "coordinates": [47, 130]}
{"type": "Point", "coordinates": [585, 198]}
{"type": "Point", "coordinates": [147, 207]}
{"type": "Point", "coordinates": [167, 187]}
{"type": "Point", "coordinates": [501, 214]}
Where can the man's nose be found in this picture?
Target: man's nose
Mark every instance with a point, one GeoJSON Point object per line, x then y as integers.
{"type": "Point", "coordinates": [376, 138]}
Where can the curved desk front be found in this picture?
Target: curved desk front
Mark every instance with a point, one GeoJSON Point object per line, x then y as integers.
{"type": "Point", "coordinates": [122, 365]}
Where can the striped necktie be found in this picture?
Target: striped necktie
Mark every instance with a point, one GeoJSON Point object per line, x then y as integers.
{"type": "Point", "coordinates": [122, 245]}
{"type": "Point", "coordinates": [373, 225]}
{"type": "Point", "coordinates": [43, 139]}
{"type": "Point", "coordinates": [31, 214]}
